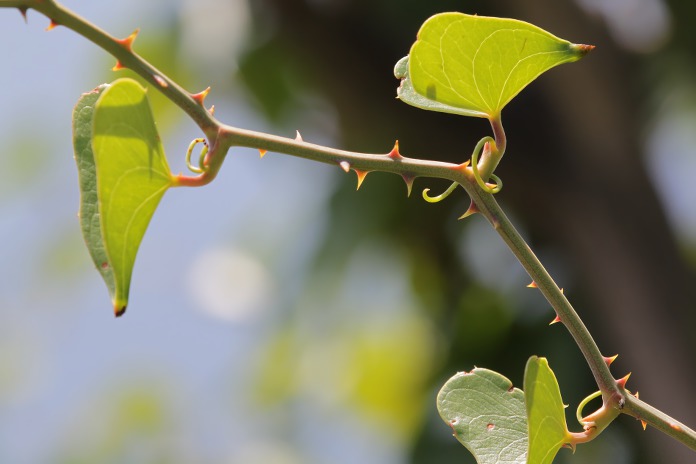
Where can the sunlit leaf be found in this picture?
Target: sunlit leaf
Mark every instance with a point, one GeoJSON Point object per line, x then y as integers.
{"type": "Point", "coordinates": [545, 412]}
{"type": "Point", "coordinates": [477, 64]}
{"type": "Point", "coordinates": [487, 416]}
{"type": "Point", "coordinates": [407, 94]}
{"type": "Point", "coordinates": [83, 116]}
{"type": "Point", "coordinates": [131, 175]}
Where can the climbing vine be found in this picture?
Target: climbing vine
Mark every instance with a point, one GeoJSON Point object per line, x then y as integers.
{"type": "Point", "coordinates": [459, 64]}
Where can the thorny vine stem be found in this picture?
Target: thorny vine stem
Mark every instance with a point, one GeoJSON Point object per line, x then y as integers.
{"type": "Point", "coordinates": [222, 137]}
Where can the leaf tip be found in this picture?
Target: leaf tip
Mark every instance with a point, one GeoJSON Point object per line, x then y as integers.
{"type": "Point", "coordinates": [582, 49]}
{"type": "Point", "coordinates": [119, 308]}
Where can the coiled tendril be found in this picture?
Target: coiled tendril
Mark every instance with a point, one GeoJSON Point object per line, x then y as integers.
{"type": "Point", "coordinates": [440, 197]}
{"type": "Point", "coordinates": [474, 167]}
{"type": "Point", "coordinates": [201, 168]}
{"type": "Point", "coordinates": [477, 175]}
{"type": "Point", "coordinates": [583, 403]}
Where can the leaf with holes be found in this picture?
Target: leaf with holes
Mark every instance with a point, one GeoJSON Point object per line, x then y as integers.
{"type": "Point", "coordinates": [487, 416]}
{"type": "Point", "coordinates": [129, 173]}
{"type": "Point", "coordinates": [474, 65]}
{"type": "Point", "coordinates": [545, 412]}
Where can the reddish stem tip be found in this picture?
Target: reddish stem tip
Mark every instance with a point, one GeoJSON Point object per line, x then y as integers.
{"type": "Point", "coordinates": [584, 49]}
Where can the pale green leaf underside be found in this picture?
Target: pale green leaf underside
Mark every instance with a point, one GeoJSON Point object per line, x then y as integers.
{"type": "Point", "coordinates": [478, 64]}
{"type": "Point", "coordinates": [83, 116]}
{"type": "Point", "coordinates": [545, 412]}
{"type": "Point", "coordinates": [487, 416]}
{"type": "Point", "coordinates": [132, 176]}
{"type": "Point", "coordinates": [408, 95]}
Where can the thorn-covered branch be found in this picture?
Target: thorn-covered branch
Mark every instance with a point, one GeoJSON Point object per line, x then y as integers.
{"type": "Point", "coordinates": [473, 177]}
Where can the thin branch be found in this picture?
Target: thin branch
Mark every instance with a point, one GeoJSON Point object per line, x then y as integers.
{"type": "Point", "coordinates": [659, 420]}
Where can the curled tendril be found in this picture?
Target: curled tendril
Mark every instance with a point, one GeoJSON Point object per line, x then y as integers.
{"type": "Point", "coordinates": [441, 196]}
{"type": "Point", "coordinates": [474, 167]}
{"type": "Point", "coordinates": [582, 405]}
{"type": "Point", "coordinates": [201, 168]}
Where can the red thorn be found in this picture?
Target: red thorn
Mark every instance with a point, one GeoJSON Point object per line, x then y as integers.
{"type": "Point", "coordinates": [127, 43]}
{"type": "Point", "coordinates": [637, 395]}
{"type": "Point", "coordinates": [394, 153]}
{"type": "Point", "coordinates": [361, 177]}
{"type": "Point", "coordinates": [212, 110]}
{"type": "Point", "coordinates": [463, 166]}
{"type": "Point", "coordinates": [473, 209]}
{"type": "Point", "coordinates": [644, 424]}
{"type": "Point", "coordinates": [532, 285]}
{"type": "Point", "coordinates": [200, 96]}
{"type": "Point", "coordinates": [345, 165]}
{"type": "Point", "coordinates": [610, 359]}
{"type": "Point", "coordinates": [622, 381]}
{"type": "Point", "coordinates": [160, 81]}
{"type": "Point", "coordinates": [571, 446]}
{"type": "Point", "coordinates": [556, 319]}
{"type": "Point", "coordinates": [23, 12]}
{"type": "Point", "coordinates": [52, 25]}
{"type": "Point", "coordinates": [262, 152]}
{"type": "Point", "coordinates": [118, 66]}
{"type": "Point", "coordinates": [675, 427]}
{"type": "Point", "coordinates": [561, 291]}
{"type": "Point", "coordinates": [298, 136]}
{"type": "Point", "coordinates": [409, 183]}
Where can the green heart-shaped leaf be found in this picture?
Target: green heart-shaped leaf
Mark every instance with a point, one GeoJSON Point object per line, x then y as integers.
{"type": "Point", "coordinates": [477, 64]}
{"type": "Point", "coordinates": [487, 416]}
{"type": "Point", "coordinates": [129, 172]}
{"type": "Point", "coordinates": [545, 412]}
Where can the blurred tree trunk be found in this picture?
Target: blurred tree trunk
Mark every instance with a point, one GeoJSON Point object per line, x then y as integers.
{"type": "Point", "coordinates": [603, 211]}
{"type": "Point", "coordinates": [574, 174]}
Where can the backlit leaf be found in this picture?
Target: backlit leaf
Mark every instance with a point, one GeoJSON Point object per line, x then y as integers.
{"type": "Point", "coordinates": [408, 95]}
{"type": "Point", "coordinates": [131, 176]}
{"type": "Point", "coordinates": [545, 412]}
{"type": "Point", "coordinates": [477, 64]}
